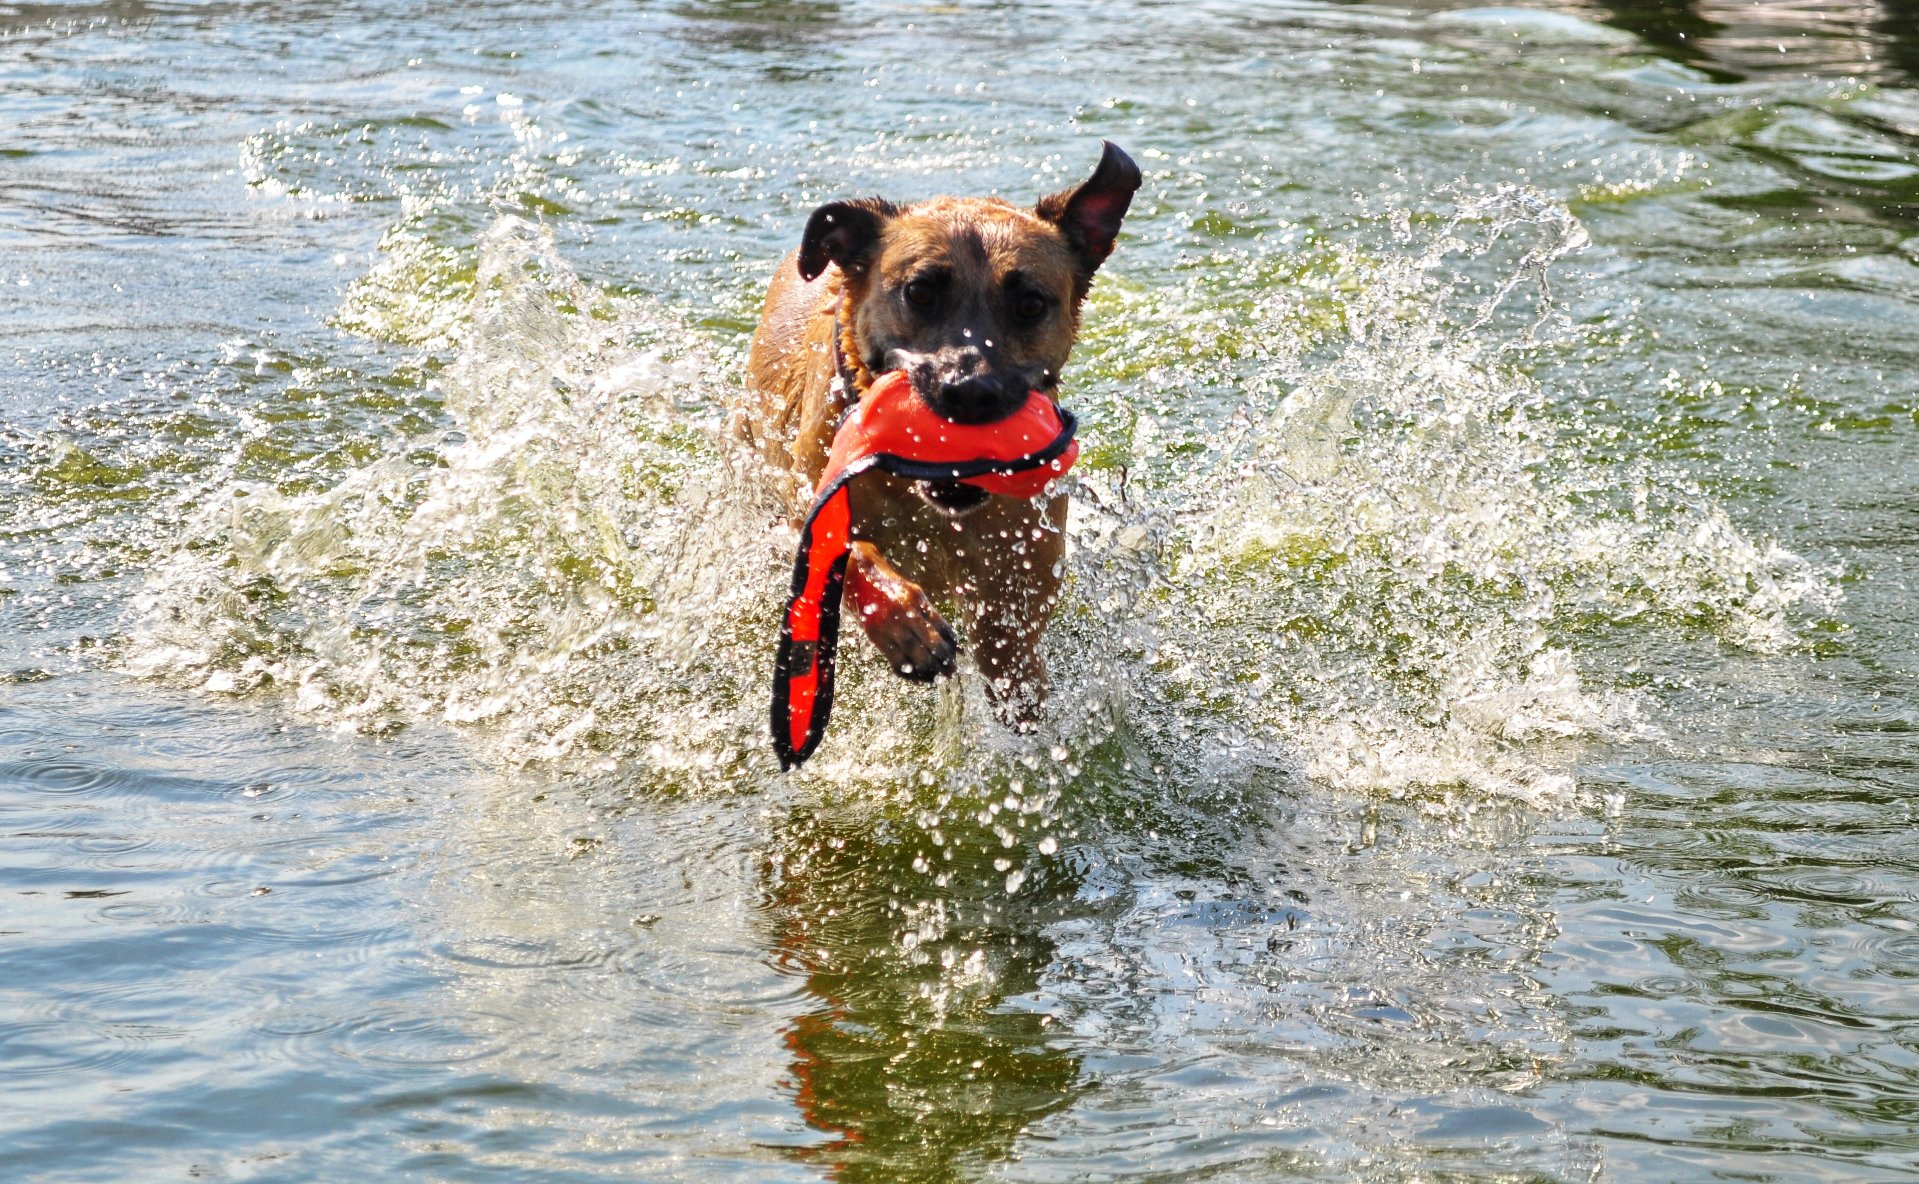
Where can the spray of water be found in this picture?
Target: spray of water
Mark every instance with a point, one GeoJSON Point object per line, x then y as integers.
{"type": "Point", "coordinates": [561, 566]}
{"type": "Point", "coordinates": [1389, 564]}
{"type": "Point", "coordinates": [1393, 575]}
{"type": "Point", "coordinates": [1379, 578]}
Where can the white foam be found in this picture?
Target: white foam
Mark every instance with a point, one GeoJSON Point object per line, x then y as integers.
{"type": "Point", "coordinates": [1370, 582]}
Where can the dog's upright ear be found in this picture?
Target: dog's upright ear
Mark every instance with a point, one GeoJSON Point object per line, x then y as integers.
{"type": "Point", "coordinates": [1089, 214]}
{"type": "Point", "coordinates": [844, 232]}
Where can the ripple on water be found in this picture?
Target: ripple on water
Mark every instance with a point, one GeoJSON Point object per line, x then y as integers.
{"type": "Point", "coordinates": [68, 777]}
{"type": "Point", "coordinates": [1832, 884]}
{"type": "Point", "coordinates": [78, 850]}
{"type": "Point", "coordinates": [1891, 951]}
{"type": "Point", "coordinates": [504, 953]}
{"type": "Point", "coordinates": [297, 1033]}
{"type": "Point", "coordinates": [77, 1045]}
{"type": "Point", "coordinates": [1665, 986]}
{"type": "Point", "coordinates": [390, 1035]}
{"type": "Point", "coordinates": [139, 912]}
{"type": "Point", "coordinates": [94, 849]}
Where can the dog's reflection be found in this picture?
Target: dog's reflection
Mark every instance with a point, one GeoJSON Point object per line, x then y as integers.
{"type": "Point", "coordinates": [910, 1057]}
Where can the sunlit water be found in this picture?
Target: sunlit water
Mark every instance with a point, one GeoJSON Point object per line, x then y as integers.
{"type": "Point", "coordinates": [1481, 741]}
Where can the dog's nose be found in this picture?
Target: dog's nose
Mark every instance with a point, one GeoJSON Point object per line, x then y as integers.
{"type": "Point", "coordinates": [979, 398]}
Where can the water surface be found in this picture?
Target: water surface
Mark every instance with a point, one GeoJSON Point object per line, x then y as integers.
{"type": "Point", "coordinates": [1482, 739]}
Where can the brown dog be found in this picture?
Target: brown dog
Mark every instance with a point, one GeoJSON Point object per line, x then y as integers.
{"type": "Point", "coordinates": [978, 301]}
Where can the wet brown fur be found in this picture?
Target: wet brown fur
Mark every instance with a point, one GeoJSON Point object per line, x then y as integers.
{"type": "Point", "coordinates": [1000, 565]}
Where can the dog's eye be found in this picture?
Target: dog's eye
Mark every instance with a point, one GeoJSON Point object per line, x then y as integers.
{"type": "Point", "coordinates": [1031, 307]}
{"type": "Point", "coordinates": [921, 293]}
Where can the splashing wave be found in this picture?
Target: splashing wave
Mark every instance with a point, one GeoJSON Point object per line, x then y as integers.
{"type": "Point", "coordinates": [1384, 575]}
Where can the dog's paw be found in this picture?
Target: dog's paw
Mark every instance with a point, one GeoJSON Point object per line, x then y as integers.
{"type": "Point", "coordinates": [916, 641]}
{"type": "Point", "coordinates": [896, 613]}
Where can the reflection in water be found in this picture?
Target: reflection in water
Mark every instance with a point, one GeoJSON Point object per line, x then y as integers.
{"type": "Point", "coordinates": [1898, 25]}
{"type": "Point", "coordinates": [1675, 28]}
{"type": "Point", "coordinates": [1847, 139]}
{"type": "Point", "coordinates": [1731, 39]}
{"type": "Point", "coordinates": [776, 29]}
{"type": "Point", "coordinates": [911, 1060]}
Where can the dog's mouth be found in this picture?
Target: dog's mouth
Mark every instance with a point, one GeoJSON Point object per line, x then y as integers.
{"type": "Point", "coordinates": [951, 498]}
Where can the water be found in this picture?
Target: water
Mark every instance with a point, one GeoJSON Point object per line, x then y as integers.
{"type": "Point", "coordinates": [1481, 741]}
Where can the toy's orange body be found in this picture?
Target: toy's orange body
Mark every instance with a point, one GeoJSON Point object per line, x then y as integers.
{"type": "Point", "coordinates": [891, 429]}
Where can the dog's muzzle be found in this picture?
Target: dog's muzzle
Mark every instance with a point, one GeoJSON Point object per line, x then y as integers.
{"type": "Point", "coordinates": [979, 398]}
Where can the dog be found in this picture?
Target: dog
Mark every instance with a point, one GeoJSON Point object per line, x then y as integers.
{"type": "Point", "coordinates": [978, 301]}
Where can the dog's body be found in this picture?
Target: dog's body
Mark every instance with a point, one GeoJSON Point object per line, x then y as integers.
{"type": "Point", "coordinates": [978, 301]}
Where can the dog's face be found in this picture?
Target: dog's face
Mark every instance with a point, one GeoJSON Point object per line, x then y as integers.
{"type": "Point", "coordinates": [976, 299]}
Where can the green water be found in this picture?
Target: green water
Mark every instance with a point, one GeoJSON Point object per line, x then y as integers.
{"type": "Point", "coordinates": [1481, 741]}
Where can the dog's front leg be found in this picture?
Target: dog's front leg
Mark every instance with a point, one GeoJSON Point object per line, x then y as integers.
{"type": "Point", "coordinates": [898, 616]}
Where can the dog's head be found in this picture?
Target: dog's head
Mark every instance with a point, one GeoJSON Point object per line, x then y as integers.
{"type": "Point", "coordinates": [977, 299]}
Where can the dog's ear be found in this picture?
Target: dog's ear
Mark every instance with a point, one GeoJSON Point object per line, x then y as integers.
{"type": "Point", "coordinates": [843, 232]}
{"type": "Point", "coordinates": [1089, 215]}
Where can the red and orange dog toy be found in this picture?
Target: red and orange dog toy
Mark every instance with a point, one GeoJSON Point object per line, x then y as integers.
{"type": "Point", "coordinates": [893, 430]}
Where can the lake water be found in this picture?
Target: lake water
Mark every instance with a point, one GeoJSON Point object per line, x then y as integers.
{"type": "Point", "coordinates": [1482, 745]}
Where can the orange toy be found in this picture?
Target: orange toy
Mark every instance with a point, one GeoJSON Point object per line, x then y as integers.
{"type": "Point", "coordinates": [893, 430]}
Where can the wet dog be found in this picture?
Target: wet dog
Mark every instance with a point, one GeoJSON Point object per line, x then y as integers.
{"type": "Point", "coordinates": [978, 301]}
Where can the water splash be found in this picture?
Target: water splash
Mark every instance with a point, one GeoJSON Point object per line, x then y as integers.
{"type": "Point", "coordinates": [1400, 549]}
{"type": "Point", "coordinates": [516, 569]}
{"type": "Point", "coordinates": [1385, 576]}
